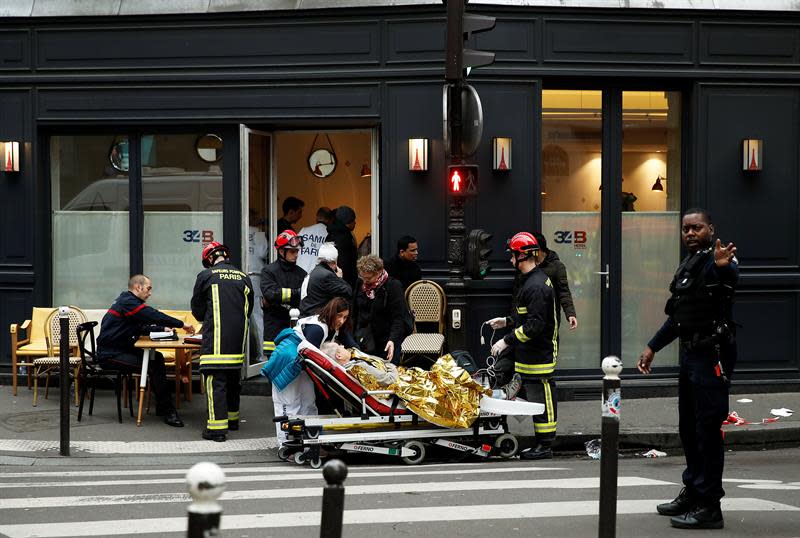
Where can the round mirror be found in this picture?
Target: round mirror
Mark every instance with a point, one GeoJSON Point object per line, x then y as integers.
{"type": "Point", "coordinates": [119, 156]}
{"type": "Point", "coordinates": [209, 148]}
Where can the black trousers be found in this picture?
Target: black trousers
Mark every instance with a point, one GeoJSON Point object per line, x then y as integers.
{"type": "Point", "coordinates": [156, 371]}
{"type": "Point", "coordinates": [702, 407]}
{"type": "Point", "coordinates": [543, 390]}
{"type": "Point", "coordinates": [222, 394]}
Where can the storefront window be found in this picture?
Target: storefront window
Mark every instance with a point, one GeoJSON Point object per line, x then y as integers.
{"type": "Point", "coordinates": [89, 219]}
{"type": "Point", "coordinates": [182, 201]}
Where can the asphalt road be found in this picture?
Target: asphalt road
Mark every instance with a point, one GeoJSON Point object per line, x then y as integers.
{"type": "Point", "coordinates": [469, 499]}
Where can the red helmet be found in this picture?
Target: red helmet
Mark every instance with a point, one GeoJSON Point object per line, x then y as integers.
{"type": "Point", "coordinates": [288, 239]}
{"type": "Point", "coordinates": [523, 243]}
{"type": "Point", "coordinates": [211, 250]}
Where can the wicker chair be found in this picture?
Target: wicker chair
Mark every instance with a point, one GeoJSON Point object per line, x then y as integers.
{"type": "Point", "coordinates": [427, 301]}
{"type": "Point", "coordinates": [48, 365]}
{"type": "Point", "coordinates": [24, 350]}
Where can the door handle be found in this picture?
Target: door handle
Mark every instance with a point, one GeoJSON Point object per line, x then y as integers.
{"type": "Point", "coordinates": [605, 273]}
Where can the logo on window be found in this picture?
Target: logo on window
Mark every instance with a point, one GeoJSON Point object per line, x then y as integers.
{"type": "Point", "coordinates": [577, 238]}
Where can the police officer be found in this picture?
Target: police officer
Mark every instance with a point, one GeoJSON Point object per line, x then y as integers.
{"type": "Point", "coordinates": [700, 315]}
{"type": "Point", "coordinates": [223, 299]}
{"type": "Point", "coordinates": [280, 286]}
{"type": "Point", "coordinates": [534, 340]}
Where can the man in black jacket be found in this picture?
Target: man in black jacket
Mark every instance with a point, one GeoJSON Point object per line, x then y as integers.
{"type": "Point", "coordinates": [340, 232]}
{"type": "Point", "coordinates": [324, 282]}
{"type": "Point", "coordinates": [128, 319]}
{"type": "Point", "coordinates": [554, 268]}
{"type": "Point", "coordinates": [280, 287]}
{"type": "Point", "coordinates": [223, 299]}
{"type": "Point", "coordinates": [403, 266]}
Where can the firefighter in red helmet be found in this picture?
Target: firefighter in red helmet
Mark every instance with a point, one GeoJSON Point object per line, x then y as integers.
{"type": "Point", "coordinates": [532, 340]}
{"type": "Point", "coordinates": [223, 301]}
{"type": "Point", "coordinates": [280, 286]}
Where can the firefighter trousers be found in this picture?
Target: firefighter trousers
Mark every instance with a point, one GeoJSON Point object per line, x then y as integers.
{"type": "Point", "coordinates": [222, 394]}
{"type": "Point", "coordinates": [542, 390]}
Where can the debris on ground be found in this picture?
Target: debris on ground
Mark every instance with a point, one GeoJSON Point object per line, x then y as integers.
{"type": "Point", "coordinates": [653, 453]}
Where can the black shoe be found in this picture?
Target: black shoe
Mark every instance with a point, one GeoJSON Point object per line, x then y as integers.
{"type": "Point", "coordinates": [512, 387]}
{"type": "Point", "coordinates": [171, 418]}
{"type": "Point", "coordinates": [540, 452]}
{"type": "Point", "coordinates": [233, 425]}
{"type": "Point", "coordinates": [702, 517]}
{"type": "Point", "coordinates": [682, 504]}
{"type": "Point", "coordinates": [218, 437]}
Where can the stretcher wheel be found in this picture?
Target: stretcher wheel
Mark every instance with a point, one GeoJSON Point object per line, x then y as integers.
{"type": "Point", "coordinates": [284, 453]}
{"type": "Point", "coordinates": [315, 463]}
{"type": "Point", "coordinates": [506, 445]}
{"type": "Point", "coordinates": [313, 433]}
{"type": "Point", "coordinates": [299, 458]}
{"type": "Point", "coordinates": [419, 452]}
{"type": "Point", "coordinates": [493, 424]}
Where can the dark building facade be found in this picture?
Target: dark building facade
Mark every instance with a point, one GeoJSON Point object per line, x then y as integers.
{"type": "Point", "coordinates": [141, 137]}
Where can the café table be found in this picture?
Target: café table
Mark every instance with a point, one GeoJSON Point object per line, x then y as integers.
{"type": "Point", "coordinates": [181, 352]}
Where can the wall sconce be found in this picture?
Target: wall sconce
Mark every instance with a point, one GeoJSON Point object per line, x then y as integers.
{"type": "Point", "coordinates": [417, 154]}
{"type": "Point", "coordinates": [501, 154]}
{"type": "Point", "coordinates": [365, 170]}
{"type": "Point", "coordinates": [658, 186]}
{"type": "Point", "coordinates": [752, 151]}
{"type": "Point", "coordinates": [9, 151]}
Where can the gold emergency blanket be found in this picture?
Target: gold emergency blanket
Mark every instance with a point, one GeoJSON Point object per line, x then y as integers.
{"type": "Point", "coordinates": [365, 378]}
{"type": "Point", "coordinates": [446, 395]}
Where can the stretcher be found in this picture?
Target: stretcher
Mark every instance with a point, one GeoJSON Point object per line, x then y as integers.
{"type": "Point", "coordinates": [378, 422]}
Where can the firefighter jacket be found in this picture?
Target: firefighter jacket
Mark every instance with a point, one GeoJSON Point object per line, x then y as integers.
{"type": "Point", "coordinates": [223, 301]}
{"type": "Point", "coordinates": [280, 287]}
{"type": "Point", "coordinates": [128, 319]}
{"type": "Point", "coordinates": [534, 324]}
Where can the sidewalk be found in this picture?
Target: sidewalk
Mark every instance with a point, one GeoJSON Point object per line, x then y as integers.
{"type": "Point", "coordinates": [30, 435]}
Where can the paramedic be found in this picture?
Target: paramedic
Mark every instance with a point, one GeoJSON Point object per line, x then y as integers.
{"type": "Point", "coordinates": [280, 287]}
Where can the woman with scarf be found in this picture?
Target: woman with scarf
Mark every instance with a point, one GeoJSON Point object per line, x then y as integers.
{"type": "Point", "coordinates": [380, 316]}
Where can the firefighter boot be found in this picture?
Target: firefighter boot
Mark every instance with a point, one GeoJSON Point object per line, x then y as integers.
{"type": "Point", "coordinates": [539, 452]}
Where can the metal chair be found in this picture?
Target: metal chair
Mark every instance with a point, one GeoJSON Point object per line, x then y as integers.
{"type": "Point", "coordinates": [48, 365]}
{"type": "Point", "coordinates": [427, 301]}
{"type": "Point", "coordinates": [91, 372]}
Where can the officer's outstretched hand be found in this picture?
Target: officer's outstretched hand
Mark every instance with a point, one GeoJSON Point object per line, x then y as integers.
{"type": "Point", "coordinates": [497, 323]}
{"type": "Point", "coordinates": [499, 347]}
{"type": "Point", "coordinates": [645, 359]}
{"type": "Point", "coordinates": [723, 256]}
{"type": "Point", "coordinates": [188, 328]}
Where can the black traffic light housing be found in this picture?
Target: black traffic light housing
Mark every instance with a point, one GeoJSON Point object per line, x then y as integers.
{"type": "Point", "coordinates": [477, 259]}
{"type": "Point", "coordinates": [459, 27]}
{"type": "Point", "coordinates": [462, 180]}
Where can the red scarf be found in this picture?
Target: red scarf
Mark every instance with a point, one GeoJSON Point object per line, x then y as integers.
{"type": "Point", "coordinates": [369, 290]}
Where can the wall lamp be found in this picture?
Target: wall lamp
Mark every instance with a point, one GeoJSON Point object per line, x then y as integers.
{"type": "Point", "coordinates": [752, 154]}
{"type": "Point", "coordinates": [9, 151]}
{"type": "Point", "coordinates": [417, 154]}
{"type": "Point", "coordinates": [501, 154]}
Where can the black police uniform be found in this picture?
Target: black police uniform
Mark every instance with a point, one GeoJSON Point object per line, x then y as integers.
{"type": "Point", "coordinates": [535, 342]}
{"type": "Point", "coordinates": [223, 300]}
{"type": "Point", "coordinates": [128, 319]}
{"type": "Point", "coordinates": [280, 287]}
{"type": "Point", "coordinates": [700, 315]}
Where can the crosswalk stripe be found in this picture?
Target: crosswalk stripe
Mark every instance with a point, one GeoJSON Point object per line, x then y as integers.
{"type": "Point", "coordinates": [280, 477]}
{"type": "Point", "coordinates": [141, 447]}
{"type": "Point", "coordinates": [367, 516]}
{"type": "Point", "coordinates": [372, 489]}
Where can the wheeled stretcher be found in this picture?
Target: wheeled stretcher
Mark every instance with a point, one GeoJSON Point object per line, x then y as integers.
{"type": "Point", "coordinates": [381, 423]}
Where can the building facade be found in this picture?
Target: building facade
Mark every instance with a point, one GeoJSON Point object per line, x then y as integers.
{"type": "Point", "coordinates": [143, 135]}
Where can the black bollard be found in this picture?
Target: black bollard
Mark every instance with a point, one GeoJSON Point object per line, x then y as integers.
{"type": "Point", "coordinates": [63, 378]}
{"type": "Point", "coordinates": [335, 471]}
{"type": "Point", "coordinates": [609, 447]}
{"type": "Point", "coordinates": [206, 483]}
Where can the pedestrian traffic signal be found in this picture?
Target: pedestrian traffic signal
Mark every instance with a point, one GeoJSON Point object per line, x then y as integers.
{"type": "Point", "coordinates": [477, 262]}
{"type": "Point", "coordinates": [462, 180]}
{"type": "Point", "coordinates": [459, 27]}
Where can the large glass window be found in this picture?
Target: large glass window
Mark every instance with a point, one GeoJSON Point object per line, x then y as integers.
{"type": "Point", "coordinates": [89, 219]}
{"type": "Point", "coordinates": [182, 201]}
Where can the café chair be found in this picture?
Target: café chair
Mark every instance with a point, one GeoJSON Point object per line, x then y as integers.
{"type": "Point", "coordinates": [51, 363]}
{"type": "Point", "coordinates": [427, 301]}
{"type": "Point", "coordinates": [91, 372]}
{"type": "Point", "coordinates": [24, 350]}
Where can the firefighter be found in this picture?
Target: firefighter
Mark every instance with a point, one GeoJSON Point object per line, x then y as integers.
{"type": "Point", "coordinates": [534, 340]}
{"type": "Point", "coordinates": [280, 287]}
{"type": "Point", "coordinates": [223, 299]}
{"type": "Point", "coordinates": [700, 315]}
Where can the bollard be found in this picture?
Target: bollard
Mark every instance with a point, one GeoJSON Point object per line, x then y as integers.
{"type": "Point", "coordinates": [294, 315]}
{"type": "Point", "coordinates": [335, 471]}
{"type": "Point", "coordinates": [63, 377]}
{"type": "Point", "coordinates": [206, 483]}
{"type": "Point", "coordinates": [609, 447]}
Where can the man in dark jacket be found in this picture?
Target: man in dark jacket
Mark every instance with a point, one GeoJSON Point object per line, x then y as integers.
{"type": "Point", "coordinates": [223, 299]}
{"type": "Point", "coordinates": [340, 232]}
{"type": "Point", "coordinates": [553, 267]}
{"type": "Point", "coordinates": [292, 212]}
{"type": "Point", "coordinates": [324, 283]}
{"type": "Point", "coordinates": [403, 266]}
{"type": "Point", "coordinates": [280, 287]}
{"type": "Point", "coordinates": [128, 319]}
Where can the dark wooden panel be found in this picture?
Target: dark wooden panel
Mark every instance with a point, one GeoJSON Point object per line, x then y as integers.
{"type": "Point", "coordinates": [511, 40]}
{"type": "Point", "coordinates": [16, 189]}
{"type": "Point", "coordinates": [768, 341]}
{"type": "Point", "coordinates": [17, 307]}
{"type": "Point", "coordinates": [617, 41]}
{"type": "Point", "coordinates": [15, 50]}
{"type": "Point", "coordinates": [749, 44]}
{"type": "Point", "coordinates": [311, 43]}
{"type": "Point", "coordinates": [415, 41]}
{"type": "Point", "coordinates": [237, 102]}
{"type": "Point", "coordinates": [757, 210]}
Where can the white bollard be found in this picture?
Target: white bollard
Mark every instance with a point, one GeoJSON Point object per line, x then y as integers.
{"type": "Point", "coordinates": [206, 483]}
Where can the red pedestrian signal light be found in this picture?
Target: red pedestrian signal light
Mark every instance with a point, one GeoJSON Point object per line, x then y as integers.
{"type": "Point", "coordinates": [462, 180]}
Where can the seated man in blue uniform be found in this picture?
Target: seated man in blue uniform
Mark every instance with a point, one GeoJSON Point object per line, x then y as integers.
{"type": "Point", "coordinates": [128, 319]}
